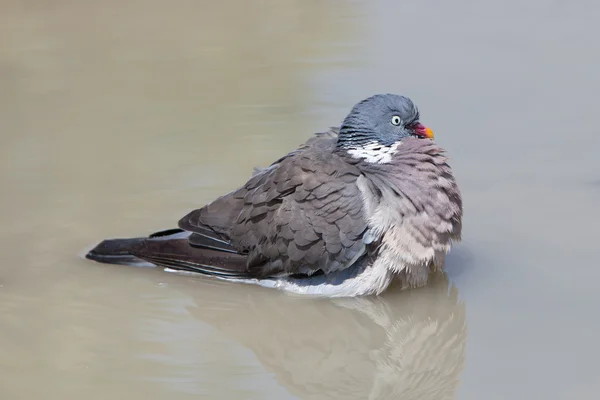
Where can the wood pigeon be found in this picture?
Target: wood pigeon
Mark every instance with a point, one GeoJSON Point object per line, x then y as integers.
{"type": "Point", "coordinates": [343, 215]}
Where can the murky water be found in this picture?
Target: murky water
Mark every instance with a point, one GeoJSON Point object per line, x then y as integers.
{"type": "Point", "coordinates": [118, 117]}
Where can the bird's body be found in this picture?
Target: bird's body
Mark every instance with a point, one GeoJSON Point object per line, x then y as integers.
{"type": "Point", "coordinates": [343, 215]}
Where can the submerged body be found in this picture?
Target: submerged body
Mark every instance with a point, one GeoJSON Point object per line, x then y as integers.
{"type": "Point", "coordinates": [344, 215]}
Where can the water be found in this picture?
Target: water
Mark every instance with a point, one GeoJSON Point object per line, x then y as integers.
{"type": "Point", "coordinates": [117, 118]}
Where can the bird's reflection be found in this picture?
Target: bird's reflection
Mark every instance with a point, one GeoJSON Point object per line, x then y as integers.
{"type": "Point", "coordinates": [405, 344]}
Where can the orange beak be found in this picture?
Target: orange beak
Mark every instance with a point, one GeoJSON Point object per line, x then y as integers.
{"type": "Point", "coordinates": [428, 133]}
{"type": "Point", "coordinates": [423, 131]}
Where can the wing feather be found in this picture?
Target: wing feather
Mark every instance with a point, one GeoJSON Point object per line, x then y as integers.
{"type": "Point", "coordinates": [301, 215]}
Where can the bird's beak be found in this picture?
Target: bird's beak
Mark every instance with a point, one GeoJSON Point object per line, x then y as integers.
{"type": "Point", "coordinates": [423, 131]}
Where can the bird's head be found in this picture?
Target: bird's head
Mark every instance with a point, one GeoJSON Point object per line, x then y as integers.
{"type": "Point", "coordinates": [381, 120]}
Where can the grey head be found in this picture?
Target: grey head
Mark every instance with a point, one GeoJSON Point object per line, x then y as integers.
{"type": "Point", "coordinates": [383, 119]}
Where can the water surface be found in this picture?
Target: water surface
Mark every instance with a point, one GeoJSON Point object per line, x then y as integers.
{"type": "Point", "coordinates": [117, 118]}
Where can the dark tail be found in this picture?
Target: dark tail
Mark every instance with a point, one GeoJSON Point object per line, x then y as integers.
{"type": "Point", "coordinates": [118, 251]}
{"type": "Point", "coordinates": [175, 249]}
{"type": "Point", "coordinates": [125, 251]}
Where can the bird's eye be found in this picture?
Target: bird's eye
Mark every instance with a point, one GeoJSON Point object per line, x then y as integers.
{"type": "Point", "coordinates": [396, 120]}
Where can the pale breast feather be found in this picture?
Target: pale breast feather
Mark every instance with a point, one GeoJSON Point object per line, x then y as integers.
{"type": "Point", "coordinates": [414, 210]}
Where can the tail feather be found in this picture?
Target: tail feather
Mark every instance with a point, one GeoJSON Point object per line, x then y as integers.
{"type": "Point", "coordinates": [194, 267]}
{"type": "Point", "coordinates": [118, 251]}
{"type": "Point", "coordinates": [175, 249]}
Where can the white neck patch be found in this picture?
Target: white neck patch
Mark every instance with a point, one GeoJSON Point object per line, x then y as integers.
{"type": "Point", "coordinates": [376, 153]}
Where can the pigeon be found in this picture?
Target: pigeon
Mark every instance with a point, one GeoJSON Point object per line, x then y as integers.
{"type": "Point", "coordinates": [348, 212]}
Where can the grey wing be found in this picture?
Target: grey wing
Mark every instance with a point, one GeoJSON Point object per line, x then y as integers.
{"type": "Point", "coordinates": [301, 215]}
